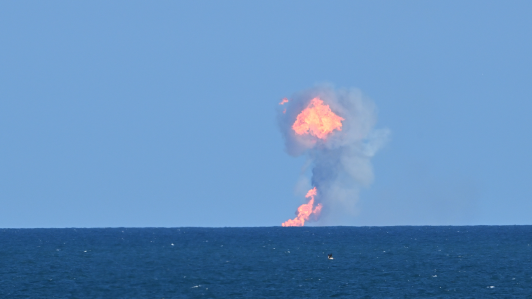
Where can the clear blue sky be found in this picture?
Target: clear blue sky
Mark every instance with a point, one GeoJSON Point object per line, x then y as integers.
{"type": "Point", "coordinates": [128, 113]}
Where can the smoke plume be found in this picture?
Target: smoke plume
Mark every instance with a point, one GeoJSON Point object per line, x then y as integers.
{"type": "Point", "coordinates": [335, 129]}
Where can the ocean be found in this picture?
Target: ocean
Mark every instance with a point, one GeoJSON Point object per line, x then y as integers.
{"type": "Point", "coordinates": [269, 262]}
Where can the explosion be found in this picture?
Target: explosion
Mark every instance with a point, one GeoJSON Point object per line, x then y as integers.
{"type": "Point", "coordinates": [317, 120]}
{"type": "Point", "coordinates": [305, 210]}
{"type": "Point", "coordinates": [334, 128]}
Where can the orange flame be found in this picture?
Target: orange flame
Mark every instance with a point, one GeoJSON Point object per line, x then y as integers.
{"type": "Point", "coordinates": [305, 210]}
{"type": "Point", "coordinates": [317, 120]}
{"type": "Point", "coordinates": [284, 101]}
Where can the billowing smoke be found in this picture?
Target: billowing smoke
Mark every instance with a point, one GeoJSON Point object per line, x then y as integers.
{"type": "Point", "coordinates": [335, 129]}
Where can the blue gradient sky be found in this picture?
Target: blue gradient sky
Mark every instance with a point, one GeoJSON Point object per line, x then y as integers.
{"type": "Point", "coordinates": [127, 113]}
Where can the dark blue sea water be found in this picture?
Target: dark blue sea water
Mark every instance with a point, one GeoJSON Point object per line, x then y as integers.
{"type": "Point", "coordinates": [370, 262]}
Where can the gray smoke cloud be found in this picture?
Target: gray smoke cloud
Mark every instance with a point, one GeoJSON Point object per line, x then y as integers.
{"type": "Point", "coordinates": [340, 164]}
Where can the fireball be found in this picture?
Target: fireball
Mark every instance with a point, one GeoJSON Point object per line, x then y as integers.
{"type": "Point", "coordinates": [317, 120]}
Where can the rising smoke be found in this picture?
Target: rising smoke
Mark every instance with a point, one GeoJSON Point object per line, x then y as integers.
{"type": "Point", "coordinates": [340, 160]}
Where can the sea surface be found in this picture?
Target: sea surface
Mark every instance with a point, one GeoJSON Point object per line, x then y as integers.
{"type": "Point", "coordinates": [271, 262]}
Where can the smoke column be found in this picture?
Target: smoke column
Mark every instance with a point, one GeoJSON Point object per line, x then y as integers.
{"type": "Point", "coordinates": [335, 129]}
